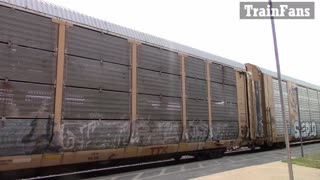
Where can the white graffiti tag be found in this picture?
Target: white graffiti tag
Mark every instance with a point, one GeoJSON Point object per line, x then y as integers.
{"type": "Point", "coordinates": [309, 129]}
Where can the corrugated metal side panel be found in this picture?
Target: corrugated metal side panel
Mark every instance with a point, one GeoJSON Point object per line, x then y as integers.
{"type": "Point", "coordinates": [149, 132]}
{"type": "Point", "coordinates": [216, 73]}
{"type": "Point", "coordinates": [291, 79]}
{"type": "Point", "coordinates": [314, 105]}
{"type": "Point", "coordinates": [195, 68]}
{"type": "Point", "coordinates": [196, 88]}
{"type": "Point", "coordinates": [156, 83]}
{"type": "Point", "coordinates": [81, 103]}
{"type": "Point", "coordinates": [231, 110]}
{"type": "Point", "coordinates": [314, 112]}
{"type": "Point", "coordinates": [230, 93]}
{"type": "Point", "coordinates": [158, 108]}
{"type": "Point", "coordinates": [198, 130]}
{"type": "Point", "coordinates": [24, 136]}
{"type": "Point", "coordinates": [224, 103]}
{"type": "Point", "coordinates": [26, 29]}
{"type": "Point", "coordinates": [83, 72]}
{"type": "Point", "coordinates": [225, 131]}
{"type": "Point", "coordinates": [27, 64]}
{"type": "Point", "coordinates": [57, 11]}
{"type": "Point", "coordinates": [229, 76]}
{"type": "Point", "coordinates": [96, 45]}
{"type": "Point", "coordinates": [26, 100]}
{"type": "Point", "coordinates": [304, 104]}
{"type": "Point", "coordinates": [277, 103]}
{"type": "Point", "coordinates": [217, 93]}
{"type": "Point", "coordinates": [158, 59]}
{"type": "Point", "coordinates": [197, 110]}
{"type": "Point", "coordinates": [80, 135]}
{"type": "Point", "coordinates": [318, 124]}
{"type": "Point", "coordinates": [218, 111]}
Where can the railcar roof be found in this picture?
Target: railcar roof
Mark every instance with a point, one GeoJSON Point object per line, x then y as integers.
{"type": "Point", "coordinates": [291, 79]}
{"type": "Point", "coordinates": [52, 10]}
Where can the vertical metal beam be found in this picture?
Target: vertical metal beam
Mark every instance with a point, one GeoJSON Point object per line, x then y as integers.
{"type": "Point", "coordinates": [183, 98]}
{"type": "Point", "coordinates": [133, 116]}
{"type": "Point", "coordinates": [209, 100]}
{"type": "Point", "coordinates": [59, 75]}
{"type": "Point", "coordinates": [134, 82]}
{"type": "Point", "coordinates": [281, 93]}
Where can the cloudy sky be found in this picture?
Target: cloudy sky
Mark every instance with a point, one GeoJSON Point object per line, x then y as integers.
{"type": "Point", "coordinates": [214, 26]}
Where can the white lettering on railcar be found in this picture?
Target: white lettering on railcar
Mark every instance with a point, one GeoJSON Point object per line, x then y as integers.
{"type": "Point", "coordinates": [308, 129]}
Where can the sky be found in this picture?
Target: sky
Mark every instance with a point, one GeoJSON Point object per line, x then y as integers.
{"type": "Point", "coordinates": [214, 26]}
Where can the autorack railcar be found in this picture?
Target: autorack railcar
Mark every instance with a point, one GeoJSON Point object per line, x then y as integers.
{"type": "Point", "coordinates": [76, 89]}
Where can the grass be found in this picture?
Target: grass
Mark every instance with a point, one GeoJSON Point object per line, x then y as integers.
{"type": "Point", "coordinates": [310, 160]}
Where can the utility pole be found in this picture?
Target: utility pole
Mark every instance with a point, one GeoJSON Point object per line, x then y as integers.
{"type": "Point", "coordinates": [299, 116]}
{"type": "Point", "coordinates": [281, 93]}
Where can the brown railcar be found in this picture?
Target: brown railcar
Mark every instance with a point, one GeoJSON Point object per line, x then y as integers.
{"type": "Point", "coordinates": [75, 89]}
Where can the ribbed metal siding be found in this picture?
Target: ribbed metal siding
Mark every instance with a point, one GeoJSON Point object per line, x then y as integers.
{"type": "Point", "coordinates": [157, 83]}
{"type": "Point", "coordinates": [318, 124]}
{"type": "Point", "coordinates": [158, 59]}
{"type": "Point", "coordinates": [82, 72]}
{"type": "Point", "coordinates": [195, 68]}
{"type": "Point", "coordinates": [304, 104]}
{"type": "Point", "coordinates": [224, 106]}
{"type": "Point", "coordinates": [88, 104]}
{"type": "Point", "coordinates": [216, 73]}
{"type": "Point", "coordinates": [277, 105]}
{"type": "Point", "coordinates": [96, 45]}
{"type": "Point", "coordinates": [229, 76]}
{"type": "Point", "coordinates": [196, 88]}
{"type": "Point", "coordinates": [26, 100]}
{"type": "Point", "coordinates": [42, 7]}
{"type": "Point", "coordinates": [314, 105]}
{"type": "Point", "coordinates": [27, 29]}
{"type": "Point", "coordinates": [217, 93]}
{"type": "Point", "coordinates": [197, 109]}
{"type": "Point", "coordinates": [159, 102]}
{"type": "Point", "coordinates": [314, 110]}
{"type": "Point", "coordinates": [24, 136]}
{"type": "Point", "coordinates": [230, 93]}
{"type": "Point", "coordinates": [158, 108]}
{"type": "Point", "coordinates": [197, 120]}
{"type": "Point", "coordinates": [27, 64]}
{"type": "Point", "coordinates": [81, 135]}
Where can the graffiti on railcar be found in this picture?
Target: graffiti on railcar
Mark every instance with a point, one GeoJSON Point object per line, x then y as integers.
{"type": "Point", "coordinates": [95, 134]}
{"type": "Point", "coordinates": [148, 132]}
{"type": "Point", "coordinates": [198, 130]}
{"type": "Point", "coordinates": [308, 129]}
